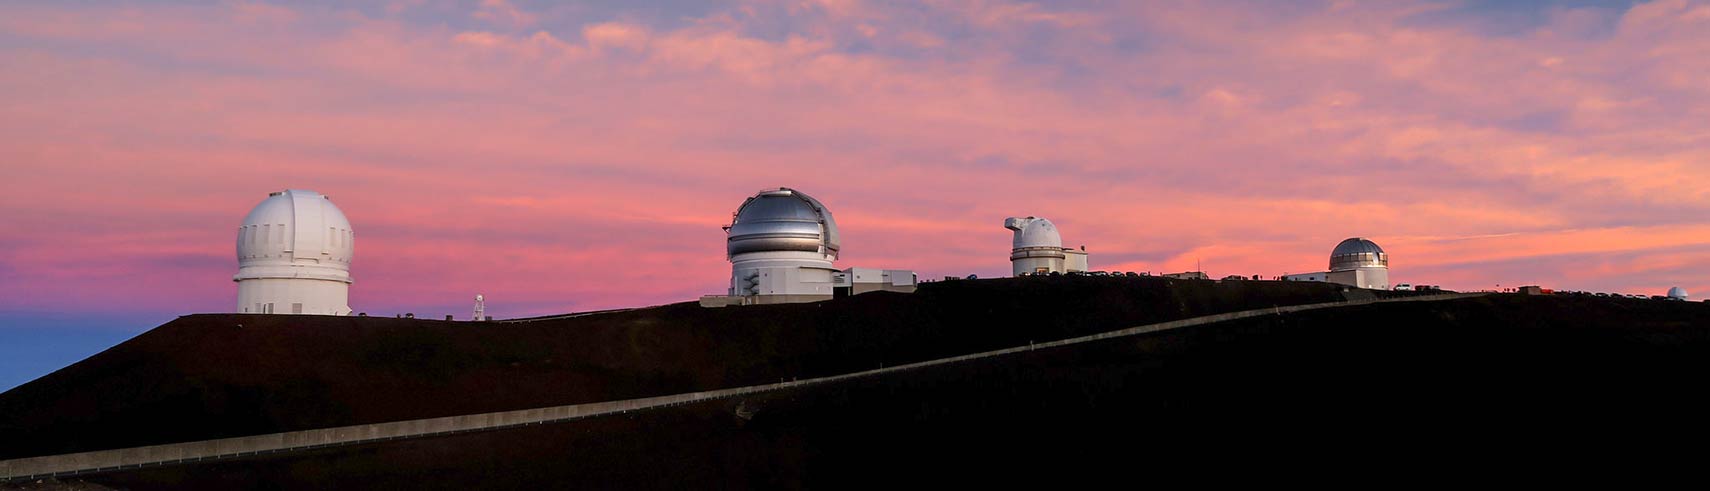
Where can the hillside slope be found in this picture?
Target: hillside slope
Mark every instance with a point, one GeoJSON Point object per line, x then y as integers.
{"type": "Point", "coordinates": [219, 375]}
{"type": "Point", "coordinates": [1428, 387]}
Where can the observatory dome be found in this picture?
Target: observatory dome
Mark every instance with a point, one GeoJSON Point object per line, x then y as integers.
{"type": "Point", "coordinates": [294, 226]}
{"type": "Point", "coordinates": [1033, 232]}
{"type": "Point", "coordinates": [294, 251]}
{"type": "Point", "coordinates": [1357, 252]}
{"type": "Point", "coordinates": [783, 220]}
{"type": "Point", "coordinates": [1677, 293]}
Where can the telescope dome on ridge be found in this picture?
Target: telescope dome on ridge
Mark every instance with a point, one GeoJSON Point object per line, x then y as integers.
{"type": "Point", "coordinates": [1037, 248]}
{"type": "Point", "coordinates": [781, 244]}
{"type": "Point", "coordinates": [294, 251]}
{"type": "Point", "coordinates": [1677, 293]}
{"type": "Point", "coordinates": [1355, 262]}
{"type": "Point", "coordinates": [783, 220]}
{"type": "Point", "coordinates": [1357, 253]}
{"type": "Point", "coordinates": [1033, 232]}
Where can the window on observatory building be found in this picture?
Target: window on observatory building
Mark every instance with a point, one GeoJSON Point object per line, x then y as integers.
{"type": "Point", "coordinates": [296, 308]}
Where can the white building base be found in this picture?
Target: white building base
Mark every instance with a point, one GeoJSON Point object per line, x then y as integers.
{"type": "Point", "coordinates": [782, 277]}
{"type": "Point", "coordinates": [293, 296]}
{"type": "Point", "coordinates": [1370, 278]}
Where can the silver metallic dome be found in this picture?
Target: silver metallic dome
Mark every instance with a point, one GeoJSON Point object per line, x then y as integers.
{"type": "Point", "coordinates": [1356, 253]}
{"type": "Point", "coordinates": [782, 220]}
{"type": "Point", "coordinates": [1677, 293]}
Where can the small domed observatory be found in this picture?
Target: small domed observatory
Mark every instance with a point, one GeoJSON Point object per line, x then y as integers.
{"type": "Point", "coordinates": [1359, 262]}
{"type": "Point", "coordinates": [1038, 248]}
{"type": "Point", "coordinates": [1678, 293]}
{"type": "Point", "coordinates": [781, 243]}
{"type": "Point", "coordinates": [294, 252]}
{"type": "Point", "coordinates": [1354, 262]}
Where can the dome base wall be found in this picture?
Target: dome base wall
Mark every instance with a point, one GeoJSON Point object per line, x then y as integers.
{"type": "Point", "coordinates": [293, 296]}
{"type": "Point", "coordinates": [791, 277]}
{"type": "Point", "coordinates": [1367, 277]}
{"type": "Point", "coordinates": [1035, 265]}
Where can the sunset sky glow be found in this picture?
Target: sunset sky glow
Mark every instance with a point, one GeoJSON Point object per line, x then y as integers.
{"type": "Point", "coordinates": [583, 155]}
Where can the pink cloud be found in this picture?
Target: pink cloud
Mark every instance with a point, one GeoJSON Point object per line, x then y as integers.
{"type": "Point", "coordinates": [504, 13]}
{"type": "Point", "coordinates": [586, 162]}
{"type": "Point", "coordinates": [615, 34]}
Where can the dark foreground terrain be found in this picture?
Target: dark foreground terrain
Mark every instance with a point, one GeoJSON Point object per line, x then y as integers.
{"type": "Point", "coordinates": [220, 375]}
{"type": "Point", "coordinates": [1410, 390]}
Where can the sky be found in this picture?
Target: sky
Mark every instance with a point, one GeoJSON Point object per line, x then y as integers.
{"type": "Point", "coordinates": [571, 156]}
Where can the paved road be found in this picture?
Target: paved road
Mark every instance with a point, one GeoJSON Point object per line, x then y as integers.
{"type": "Point", "coordinates": [564, 316]}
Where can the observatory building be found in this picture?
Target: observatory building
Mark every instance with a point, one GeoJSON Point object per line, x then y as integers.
{"type": "Point", "coordinates": [781, 244]}
{"type": "Point", "coordinates": [1038, 248]}
{"type": "Point", "coordinates": [294, 253]}
{"type": "Point", "coordinates": [1355, 262]}
{"type": "Point", "coordinates": [1678, 293]}
{"type": "Point", "coordinates": [1360, 262]}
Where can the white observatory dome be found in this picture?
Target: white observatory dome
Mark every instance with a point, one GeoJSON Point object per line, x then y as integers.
{"type": "Point", "coordinates": [1357, 253]}
{"type": "Point", "coordinates": [783, 220]}
{"type": "Point", "coordinates": [294, 251]}
{"type": "Point", "coordinates": [1033, 232]}
{"type": "Point", "coordinates": [1038, 248]}
{"type": "Point", "coordinates": [1677, 293]}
